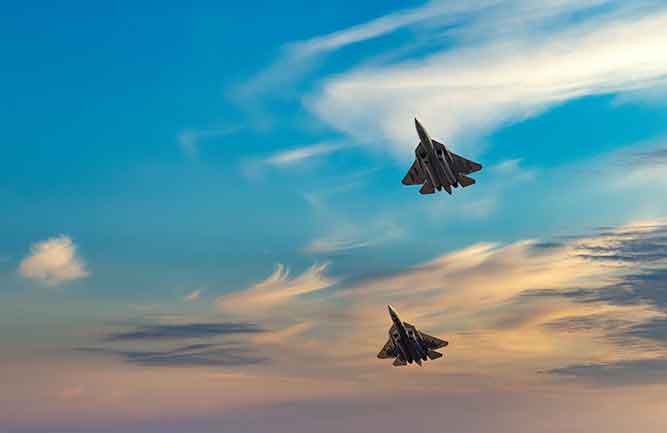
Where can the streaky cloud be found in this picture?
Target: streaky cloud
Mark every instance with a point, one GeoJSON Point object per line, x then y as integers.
{"type": "Point", "coordinates": [626, 372]}
{"type": "Point", "coordinates": [299, 155]}
{"type": "Point", "coordinates": [497, 80]}
{"type": "Point", "coordinates": [276, 290]}
{"type": "Point", "coordinates": [185, 331]}
{"type": "Point", "coordinates": [196, 355]}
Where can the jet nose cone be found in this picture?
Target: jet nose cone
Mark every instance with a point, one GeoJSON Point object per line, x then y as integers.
{"type": "Point", "coordinates": [392, 313]}
{"type": "Point", "coordinates": [420, 129]}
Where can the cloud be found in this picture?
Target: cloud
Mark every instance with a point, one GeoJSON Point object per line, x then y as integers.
{"type": "Point", "coordinates": [345, 236]}
{"type": "Point", "coordinates": [640, 251]}
{"type": "Point", "coordinates": [196, 355]}
{"type": "Point", "coordinates": [185, 331]}
{"type": "Point", "coordinates": [147, 345]}
{"type": "Point", "coordinates": [626, 372]}
{"type": "Point", "coordinates": [299, 155]}
{"type": "Point", "coordinates": [53, 261]}
{"type": "Point", "coordinates": [276, 290]}
{"type": "Point", "coordinates": [654, 329]}
{"type": "Point", "coordinates": [649, 158]}
{"type": "Point", "coordinates": [295, 60]}
{"type": "Point", "coordinates": [192, 296]}
{"type": "Point", "coordinates": [500, 78]}
{"type": "Point", "coordinates": [333, 245]}
{"type": "Point", "coordinates": [290, 158]}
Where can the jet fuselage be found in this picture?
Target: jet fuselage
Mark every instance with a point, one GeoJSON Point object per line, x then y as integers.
{"type": "Point", "coordinates": [408, 341]}
{"type": "Point", "coordinates": [436, 162]}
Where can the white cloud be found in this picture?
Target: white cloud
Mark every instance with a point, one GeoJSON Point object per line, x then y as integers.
{"type": "Point", "coordinates": [279, 288]}
{"type": "Point", "coordinates": [193, 296]}
{"type": "Point", "coordinates": [53, 261]}
{"type": "Point", "coordinates": [301, 154]}
{"type": "Point", "coordinates": [333, 245]}
{"type": "Point", "coordinates": [289, 158]}
{"type": "Point", "coordinates": [345, 236]}
{"type": "Point", "coordinates": [297, 59]}
{"type": "Point", "coordinates": [469, 90]}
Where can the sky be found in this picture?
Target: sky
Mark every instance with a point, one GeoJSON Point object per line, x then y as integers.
{"type": "Point", "coordinates": [202, 220]}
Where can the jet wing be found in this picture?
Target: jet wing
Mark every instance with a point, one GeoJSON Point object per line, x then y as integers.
{"type": "Point", "coordinates": [433, 342]}
{"type": "Point", "coordinates": [415, 175]}
{"type": "Point", "coordinates": [461, 165]}
{"type": "Point", "coordinates": [464, 166]}
{"type": "Point", "coordinates": [388, 351]}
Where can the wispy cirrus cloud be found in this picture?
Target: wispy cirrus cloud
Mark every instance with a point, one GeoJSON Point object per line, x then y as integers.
{"type": "Point", "coordinates": [624, 372]}
{"type": "Point", "coordinates": [276, 290]}
{"type": "Point", "coordinates": [290, 157]}
{"type": "Point", "coordinates": [297, 59]}
{"type": "Point", "coordinates": [437, 17]}
{"type": "Point", "coordinates": [502, 62]}
{"type": "Point", "coordinates": [53, 261]}
{"type": "Point", "coordinates": [184, 331]}
{"type": "Point", "coordinates": [210, 344]}
{"type": "Point", "coordinates": [228, 354]}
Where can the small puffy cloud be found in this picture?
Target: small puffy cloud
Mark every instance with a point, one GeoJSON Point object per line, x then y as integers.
{"type": "Point", "coordinates": [192, 296]}
{"type": "Point", "coordinates": [279, 288]}
{"type": "Point", "coordinates": [53, 261]}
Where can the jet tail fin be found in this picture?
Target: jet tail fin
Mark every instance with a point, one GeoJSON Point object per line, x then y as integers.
{"type": "Point", "coordinates": [432, 354]}
{"type": "Point", "coordinates": [465, 180]}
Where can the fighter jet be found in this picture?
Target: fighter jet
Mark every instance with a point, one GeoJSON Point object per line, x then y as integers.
{"type": "Point", "coordinates": [409, 345]}
{"type": "Point", "coordinates": [437, 167]}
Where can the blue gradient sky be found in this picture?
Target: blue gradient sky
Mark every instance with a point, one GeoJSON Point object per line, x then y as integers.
{"type": "Point", "coordinates": [170, 166]}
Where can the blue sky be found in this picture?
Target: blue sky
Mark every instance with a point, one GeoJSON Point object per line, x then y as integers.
{"type": "Point", "coordinates": [174, 165]}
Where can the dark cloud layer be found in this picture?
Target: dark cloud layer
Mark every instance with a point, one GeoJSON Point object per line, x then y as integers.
{"type": "Point", "coordinates": [628, 372]}
{"type": "Point", "coordinates": [654, 329]}
{"type": "Point", "coordinates": [630, 246]}
{"type": "Point", "coordinates": [184, 331]}
{"type": "Point", "coordinates": [216, 352]}
{"type": "Point", "coordinates": [649, 158]}
{"type": "Point", "coordinates": [642, 253]}
{"type": "Point", "coordinates": [230, 354]}
{"type": "Point", "coordinates": [587, 323]}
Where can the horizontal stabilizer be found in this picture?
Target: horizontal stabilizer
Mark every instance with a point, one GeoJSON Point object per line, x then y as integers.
{"type": "Point", "coordinates": [427, 188]}
{"type": "Point", "coordinates": [398, 362]}
{"type": "Point", "coordinates": [432, 354]}
{"type": "Point", "coordinates": [465, 180]}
